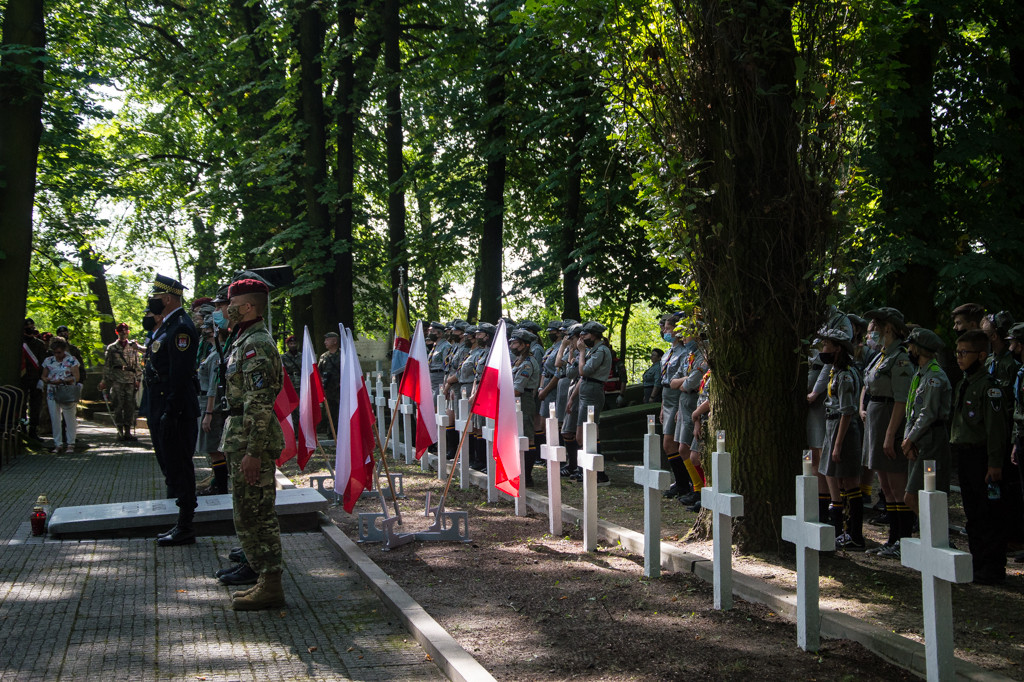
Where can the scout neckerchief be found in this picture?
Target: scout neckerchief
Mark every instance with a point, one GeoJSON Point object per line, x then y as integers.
{"type": "Point", "coordinates": [915, 382]}
{"type": "Point", "coordinates": [704, 380]}
{"type": "Point", "coordinates": [666, 361]}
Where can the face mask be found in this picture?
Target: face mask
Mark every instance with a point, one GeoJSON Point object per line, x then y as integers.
{"type": "Point", "coordinates": [552, 337]}
{"type": "Point", "coordinates": [589, 342]}
{"type": "Point", "coordinates": [914, 358]}
{"type": "Point", "coordinates": [827, 358]}
{"type": "Point", "coordinates": [148, 323]}
{"type": "Point", "coordinates": [234, 316]}
{"type": "Point", "coordinates": [432, 337]}
{"type": "Point", "coordinates": [155, 306]}
{"type": "Point", "coordinates": [667, 336]}
{"type": "Point", "coordinates": [220, 320]}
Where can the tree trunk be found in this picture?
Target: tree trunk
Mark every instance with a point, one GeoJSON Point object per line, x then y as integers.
{"type": "Point", "coordinates": [908, 196]}
{"type": "Point", "coordinates": [21, 100]}
{"type": "Point", "coordinates": [92, 266]}
{"type": "Point", "coordinates": [431, 267]}
{"type": "Point", "coordinates": [572, 220]}
{"type": "Point", "coordinates": [314, 141]}
{"type": "Point", "coordinates": [206, 253]}
{"type": "Point", "coordinates": [474, 299]}
{"type": "Point", "coordinates": [495, 152]}
{"type": "Point", "coordinates": [398, 260]}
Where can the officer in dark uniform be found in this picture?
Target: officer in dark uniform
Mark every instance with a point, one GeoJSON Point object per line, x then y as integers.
{"type": "Point", "coordinates": [173, 410]}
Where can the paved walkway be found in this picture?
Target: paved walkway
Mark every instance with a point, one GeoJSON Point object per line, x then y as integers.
{"type": "Point", "coordinates": [127, 610]}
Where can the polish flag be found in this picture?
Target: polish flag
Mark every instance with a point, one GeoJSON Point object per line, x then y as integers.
{"type": "Point", "coordinates": [311, 394]}
{"type": "Point", "coordinates": [353, 462]}
{"type": "Point", "coordinates": [416, 385]}
{"type": "Point", "coordinates": [286, 402]}
{"type": "Point", "coordinates": [496, 399]}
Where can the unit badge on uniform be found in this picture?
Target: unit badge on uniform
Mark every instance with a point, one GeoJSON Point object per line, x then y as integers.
{"type": "Point", "coordinates": [155, 346]}
{"type": "Point", "coordinates": [995, 393]}
{"type": "Point", "coordinates": [250, 354]}
{"type": "Point", "coordinates": [257, 379]}
{"type": "Point", "coordinates": [182, 341]}
{"type": "Point", "coordinates": [934, 382]}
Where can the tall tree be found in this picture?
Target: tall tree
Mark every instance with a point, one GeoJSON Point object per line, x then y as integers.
{"type": "Point", "coordinates": [21, 100]}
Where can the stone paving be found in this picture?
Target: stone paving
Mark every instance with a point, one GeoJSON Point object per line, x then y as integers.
{"type": "Point", "coordinates": [124, 609]}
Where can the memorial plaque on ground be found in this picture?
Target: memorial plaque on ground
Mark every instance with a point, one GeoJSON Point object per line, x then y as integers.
{"type": "Point", "coordinates": [298, 509]}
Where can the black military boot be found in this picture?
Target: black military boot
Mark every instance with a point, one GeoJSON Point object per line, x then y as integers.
{"type": "Point", "coordinates": [182, 534]}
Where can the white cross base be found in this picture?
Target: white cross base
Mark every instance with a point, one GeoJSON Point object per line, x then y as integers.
{"type": "Point", "coordinates": [654, 481]}
{"type": "Point", "coordinates": [724, 506]}
{"type": "Point", "coordinates": [463, 454]}
{"type": "Point", "coordinates": [554, 455]}
{"type": "Point", "coordinates": [443, 422]}
{"type": "Point", "coordinates": [939, 566]}
{"type": "Point", "coordinates": [523, 446]}
{"type": "Point", "coordinates": [810, 537]}
{"type": "Point", "coordinates": [590, 462]}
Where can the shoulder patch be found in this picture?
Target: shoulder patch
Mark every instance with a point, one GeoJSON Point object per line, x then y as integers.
{"type": "Point", "coordinates": [902, 362]}
{"type": "Point", "coordinates": [182, 341]}
{"type": "Point", "coordinates": [934, 382]}
{"type": "Point", "coordinates": [995, 393]}
{"type": "Point", "coordinates": [251, 353]}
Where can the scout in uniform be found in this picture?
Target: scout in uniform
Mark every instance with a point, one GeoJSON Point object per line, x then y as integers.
{"type": "Point", "coordinates": [547, 392]}
{"type": "Point", "coordinates": [687, 381]}
{"type": "Point", "coordinates": [595, 364]}
{"type": "Point", "coordinates": [173, 403]}
{"type": "Point", "coordinates": [977, 439]}
{"type": "Point", "coordinates": [252, 441]}
{"type": "Point", "coordinates": [929, 405]}
{"type": "Point", "coordinates": [525, 380]}
{"type": "Point", "coordinates": [473, 370]}
{"type": "Point", "coordinates": [121, 374]}
{"type": "Point", "coordinates": [437, 355]}
{"type": "Point", "coordinates": [884, 402]}
{"type": "Point", "coordinates": [669, 413]}
{"type": "Point", "coordinates": [841, 450]}
{"type": "Point", "coordinates": [1000, 363]}
{"type": "Point", "coordinates": [568, 385]}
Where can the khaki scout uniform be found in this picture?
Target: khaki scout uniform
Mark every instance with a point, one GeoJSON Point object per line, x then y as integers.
{"type": "Point", "coordinates": [526, 380]}
{"type": "Point", "coordinates": [887, 379]}
{"type": "Point", "coordinates": [122, 373]}
{"type": "Point", "coordinates": [929, 404]}
{"type": "Point", "coordinates": [254, 378]}
{"type": "Point", "coordinates": [978, 441]}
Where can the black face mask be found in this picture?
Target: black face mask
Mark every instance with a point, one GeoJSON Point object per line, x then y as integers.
{"type": "Point", "coordinates": [590, 342]}
{"type": "Point", "coordinates": [149, 323]}
{"type": "Point", "coordinates": [155, 306]}
{"type": "Point", "coordinates": [827, 358]}
{"type": "Point", "coordinates": [432, 337]}
{"type": "Point", "coordinates": [553, 337]}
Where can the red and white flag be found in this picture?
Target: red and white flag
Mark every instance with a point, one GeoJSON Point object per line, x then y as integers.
{"type": "Point", "coordinates": [286, 402]}
{"type": "Point", "coordinates": [496, 399]}
{"type": "Point", "coordinates": [416, 385]}
{"type": "Point", "coordinates": [311, 394]}
{"type": "Point", "coordinates": [353, 462]}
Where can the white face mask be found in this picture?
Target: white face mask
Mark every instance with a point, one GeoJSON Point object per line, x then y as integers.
{"type": "Point", "coordinates": [874, 339]}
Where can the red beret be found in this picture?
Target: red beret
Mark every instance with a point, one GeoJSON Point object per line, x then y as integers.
{"type": "Point", "coordinates": [290, 338]}
{"type": "Point", "coordinates": [247, 286]}
{"type": "Point", "coordinates": [124, 326]}
{"type": "Point", "coordinates": [200, 301]}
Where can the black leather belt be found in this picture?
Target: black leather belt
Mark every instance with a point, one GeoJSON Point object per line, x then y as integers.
{"type": "Point", "coordinates": [832, 417]}
{"type": "Point", "coordinates": [880, 399]}
{"type": "Point", "coordinates": [666, 385]}
{"type": "Point", "coordinates": [236, 412]}
{"type": "Point", "coordinates": [593, 380]}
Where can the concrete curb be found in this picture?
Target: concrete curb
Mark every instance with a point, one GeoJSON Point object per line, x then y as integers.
{"type": "Point", "coordinates": [894, 648]}
{"type": "Point", "coordinates": [454, 661]}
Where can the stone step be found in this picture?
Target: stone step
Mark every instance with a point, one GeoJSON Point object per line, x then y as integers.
{"type": "Point", "coordinates": [298, 509]}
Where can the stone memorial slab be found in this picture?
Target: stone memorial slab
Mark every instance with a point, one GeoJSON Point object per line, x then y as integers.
{"type": "Point", "coordinates": [138, 519]}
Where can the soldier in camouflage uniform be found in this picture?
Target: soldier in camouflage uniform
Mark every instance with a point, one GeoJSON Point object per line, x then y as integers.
{"type": "Point", "coordinates": [121, 374]}
{"type": "Point", "coordinates": [291, 360]}
{"type": "Point", "coordinates": [253, 440]}
{"type": "Point", "coordinates": [329, 365]}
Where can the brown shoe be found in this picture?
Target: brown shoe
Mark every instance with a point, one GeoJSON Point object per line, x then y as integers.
{"type": "Point", "coordinates": [268, 594]}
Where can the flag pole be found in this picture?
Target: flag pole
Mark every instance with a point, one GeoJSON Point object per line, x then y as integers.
{"type": "Point", "coordinates": [458, 451]}
{"type": "Point", "coordinates": [387, 472]}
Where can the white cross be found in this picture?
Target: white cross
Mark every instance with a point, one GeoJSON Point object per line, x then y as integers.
{"type": "Point", "coordinates": [380, 400]}
{"type": "Point", "coordinates": [654, 481]}
{"type": "Point", "coordinates": [396, 430]}
{"type": "Point", "coordinates": [493, 494]}
{"type": "Point", "coordinates": [810, 537]}
{"type": "Point", "coordinates": [443, 422]}
{"type": "Point", "coordinates": [524, 445]}
{"type": "Point", "coordinates": [724, 506]}
{"type": "Point", "coordinates": [460, 427]}
{"type": "Point", "coordinates": [590, 462]}
{"type": "Point", "coordinates": [939, 566]}
{"type": "Point", "coordinates": [555, 455]}
{"type": "Point", "coordinates": [408, 444]}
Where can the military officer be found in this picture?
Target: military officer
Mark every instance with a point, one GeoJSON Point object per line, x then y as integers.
{"type": "Point", "coordinates": [253, 440]}
{"type": "Point", "coordinates": [977, 439]}
{"type": "Point", "coordinates": [173, 410]}
{"type": "Point", "coordinates": [121, 374]}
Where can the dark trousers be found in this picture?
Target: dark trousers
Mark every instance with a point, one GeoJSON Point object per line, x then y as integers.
{"type": "Point", "coordinates": [986, 537]}
{"type": "Point", "coordinates": [174, 442]}
{"type": "Point", "coordinates": [33, 403]}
